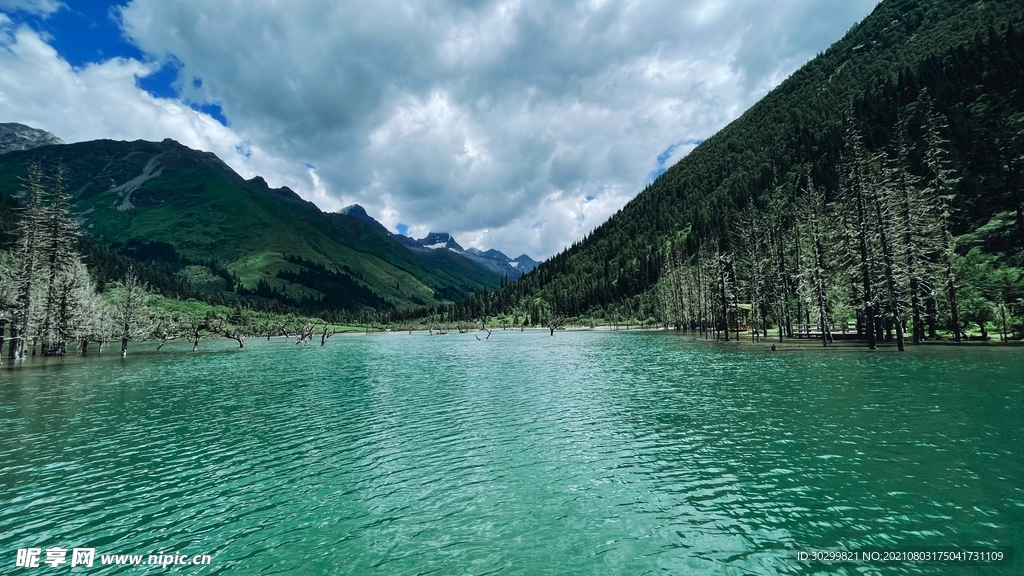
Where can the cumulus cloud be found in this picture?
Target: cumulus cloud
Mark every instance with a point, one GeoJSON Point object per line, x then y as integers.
{"type": "Point", "coordinates": [514, 124]}
{"type": "Point", "coordinates": [102, 100]}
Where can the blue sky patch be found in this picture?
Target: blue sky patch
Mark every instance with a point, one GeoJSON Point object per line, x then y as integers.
{"type": "Point", "coordinates": [82, 32]}
{"type": "Point", "coordinates": [212, 110]}
{"type": "Point", "coordinates": [665, 156]}
{"type": "Point", "coordinates": [160, 84]}
{"type": "Point", "coordinates": [402, 229]}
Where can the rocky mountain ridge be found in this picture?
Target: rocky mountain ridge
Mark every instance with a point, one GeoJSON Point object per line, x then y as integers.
{"type": "Point", "coordinates": [493, 260]}
{"type": "Point", "coordinates": [15, 137]}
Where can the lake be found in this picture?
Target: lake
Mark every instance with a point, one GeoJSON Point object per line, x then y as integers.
{"type": "Point", "coordinates": [582, 453]}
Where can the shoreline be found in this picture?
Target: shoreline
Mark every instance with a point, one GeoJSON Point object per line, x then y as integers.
{"type": "Point", "coordinates": [794, 342]}
{"type": "Point", "coordinates": [146, 349]}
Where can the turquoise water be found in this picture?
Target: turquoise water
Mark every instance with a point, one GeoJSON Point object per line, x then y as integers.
{"type": "Point", "coordinates": [582, 453]}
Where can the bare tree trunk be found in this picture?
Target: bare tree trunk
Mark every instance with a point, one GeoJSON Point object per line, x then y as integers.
{"type": "Point", "coordinates": [890, 282]}
{"type": "Point", "coordinates": [724, 300]}
{"type": "Point", "coordinates": [931, 308]}
{"type": "Point", "coordinates": [917, 328]}
{"type": "Point", "coordinates": [784, 275]}
{"type": "Point", "coordinates": [869, 310]}
{"type": "Point", "coordinates": [1002, 314]}
{"type": "Point", "coordinates": [855, 294]}
{"type": "Point", "coordinates": [800, 312]}
{"type": "Point", "coordinates": [954, 313]}
{"type": "Point", "coordinates": [915, 305]}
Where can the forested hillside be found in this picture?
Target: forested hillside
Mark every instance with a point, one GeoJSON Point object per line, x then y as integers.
{"type": "Point", "coordinates": [192, 227]}
{"type": "Point", "coordinates": [907, 134]}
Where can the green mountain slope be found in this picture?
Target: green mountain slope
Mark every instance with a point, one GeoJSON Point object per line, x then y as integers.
{"type": "Point", "coordinates": [965, 58]}
{"type": "Point", "coordinates": [167, 203]}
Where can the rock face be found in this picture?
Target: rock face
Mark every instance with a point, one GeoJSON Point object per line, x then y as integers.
{"type": "Point", "coordinates": [357, 211]}
{"type": "Point", "coordinates": [499, 263]}
{"type": "Point", "coordinates": [523, 263]}
{"type": "Point", "coordinates": [20, 137]}
{"type": "Point", "coordinates": [435, 240]}
{"type": "Point", "coordinates": [493, 260]}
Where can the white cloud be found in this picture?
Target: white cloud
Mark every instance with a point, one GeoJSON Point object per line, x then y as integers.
{"type": "Point", "coordinates": [513, 124]}
{"type": "Point", "coordinates": [42, 7]}
{"type": "Point", "coordinates": [40, 89]}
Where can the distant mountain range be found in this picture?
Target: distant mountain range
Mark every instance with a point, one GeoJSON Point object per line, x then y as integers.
{"type": "Point", "coordinates": [167, 205]}
{"type": "Point", "coordinates": [493, 260]}
{"type": "Point", "coordinates": [514, 267]}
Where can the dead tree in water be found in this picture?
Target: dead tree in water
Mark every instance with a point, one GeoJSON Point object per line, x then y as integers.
{"type": "Point", "coordinates": [130, 310]}
{"type": "Point", "coordinates": [194, 331]}
{"type": "Point", "coordinates": [230, 331]}
{"type": "Point", "coordinates": [305, 332]}
{"type": "Point", "coordinates": [27, 256]}
{"type": "Point", "coordinates": [170, 330]}
{"type": "Point", "coordinates": [556, 323]}
{"type": "Point", "coordinates": [282, 327]}
{"type": "Point", "coordinates": [327, 333]}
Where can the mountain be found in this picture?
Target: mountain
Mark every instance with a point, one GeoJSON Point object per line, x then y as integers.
{"type": "Point", "coordinates": [523, 263]}
{"type": "Point", "coordinates": [492, 253]}
{"type": "Point", "coordinates": [501, 264]}
{"type": "Point", "coordinates": [493, 260]}
{"type": "Point", "coordinates": [15, 137]}
{"type": "Point", "coordinates": [956, 66]}
{"type": "Point", "coordinates": [357, 211]}
{"type": "Point", "coordinates": [169, 207]}
{"type": "Point", "coordinates": [435, 240]}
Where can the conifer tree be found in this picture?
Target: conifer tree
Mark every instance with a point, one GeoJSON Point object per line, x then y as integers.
{"type": "Point", "coordinates": [7, 292]}
{"type": "Point", "coordinates": [815, 271]}
{"type": "Point", "coordinates": [59, 254]}
{"type": "Point", "coordinates": [26, 262]}
{"type": "Point", "coordinates": [856, 161]}
{"type": "Point", "coordinates": [941, 191]}
{"type": "Point", "coordinates": [131, 316]}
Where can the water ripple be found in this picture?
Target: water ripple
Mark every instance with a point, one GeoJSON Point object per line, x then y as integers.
{"type": "Point", "coordinates": [585, 453]}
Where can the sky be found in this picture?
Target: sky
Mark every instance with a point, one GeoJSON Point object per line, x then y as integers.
{"type": "Point", "coordinates": [519, 125]}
